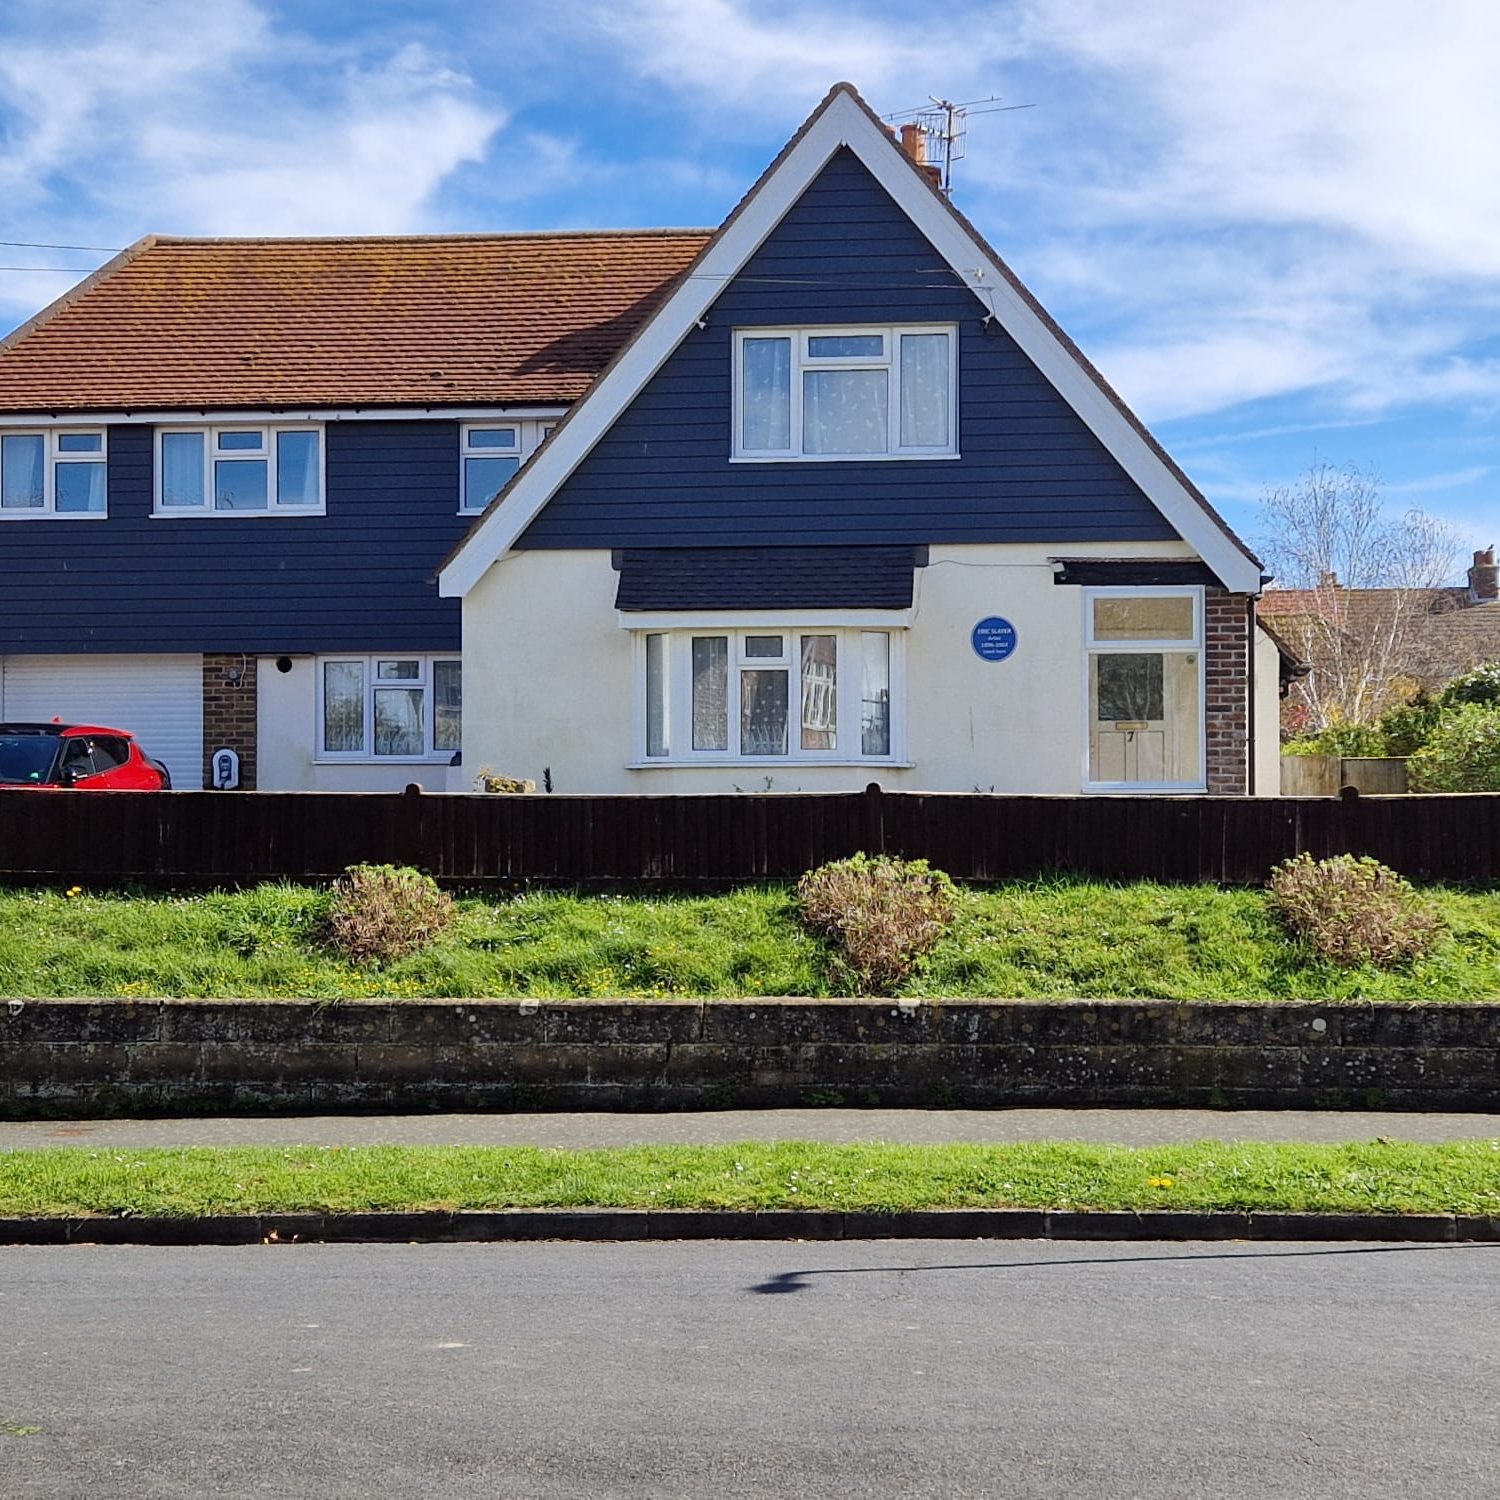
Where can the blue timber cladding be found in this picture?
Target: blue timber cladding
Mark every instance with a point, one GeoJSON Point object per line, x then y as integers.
{"type": "Point", "coordinates": [1030, 470]}
{"type": "Point", "coordinates": [359, 578]}
{"type": "Point", "coordinates": [672, 578]}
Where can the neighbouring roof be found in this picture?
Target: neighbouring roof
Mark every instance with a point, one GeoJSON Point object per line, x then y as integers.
{"type": "Point", "coordinates": [428, 320]}
{"type": "Point", "coordinates": [687, 578]}
{"type": "Point", "coordinates": [1448, 630]}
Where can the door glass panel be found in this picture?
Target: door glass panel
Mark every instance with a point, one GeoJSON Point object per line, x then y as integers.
{"type": "Point", "coordinates": [820, 692]}
{"type": "Point", "coordinates": [240, 484]}
{"type": "Point", "coordinates": [80, 488]}
{"type": "Point", "coordinates": [484, 478]}
{"type": "Point", "coordinates": [398, 721]}
{"type": "Point", "coordinates": [875, 693]}
{"type": "Point", "coordinates": [343, 706]}
{"type": "Point", "coordinates": [710, 692]}
{"type": "Point", "coordinates": [924, 390]}
{"type": "Point", "coordinates": [844, 411]}
{"type": "Point", "coordinates": [22, 459]}
{"type": "Point", "coordinates": [763, 711]}
{"type": "Point", "coordinates": [181, 468]}
{"type": "Point", "coordinates": [296, 468]}
{"type": "Point", "coordinates": [1129, 687]}
{"type": "Point", "coordinates": [766, 395]}
{"type": "Point", "coordinates": [447, 705]}
{"type": "Point", "coordinates": [1144, 619]}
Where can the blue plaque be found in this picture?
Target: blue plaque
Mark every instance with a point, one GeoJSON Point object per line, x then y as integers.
{"type": "Point", "coordinates": [993, 639]}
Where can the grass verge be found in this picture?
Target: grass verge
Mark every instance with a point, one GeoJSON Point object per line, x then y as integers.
{"type": "Point", "coordinates": [1378, 1177]}
{"type": "Point", "coordinates": [1040, 939]}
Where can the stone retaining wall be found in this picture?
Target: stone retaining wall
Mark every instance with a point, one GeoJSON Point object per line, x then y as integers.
{"type": "Point", "coordinates": [94, 1057]}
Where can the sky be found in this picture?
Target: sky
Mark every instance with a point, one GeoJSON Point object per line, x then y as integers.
{"type": "Point", "coordinates": [1273, 224]}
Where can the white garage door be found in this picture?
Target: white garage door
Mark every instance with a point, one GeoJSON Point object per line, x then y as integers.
{"type": "Point", "coordinates": [159, 699]}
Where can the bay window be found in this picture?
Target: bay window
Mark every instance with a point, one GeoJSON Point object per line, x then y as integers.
{"type": "Point", "coordinates": [239, 470]}
{"type": "Point", "coordinates": [389, 707]}
{"type": "Point", "coordinates": [802, 693]}
{"type": "Point", "coordinates": [845, 392]}
{"type": "Point", "coordinates": [53, 473]}
{"type": "Point", "coordinates": [1145, 687]}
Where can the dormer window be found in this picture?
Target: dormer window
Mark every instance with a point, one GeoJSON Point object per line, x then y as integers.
{"type": "Point", "coordinates": [859, 392]}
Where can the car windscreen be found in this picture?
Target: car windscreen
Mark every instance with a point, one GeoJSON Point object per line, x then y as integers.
{"type": "Point", "coordinates": [25, 759]}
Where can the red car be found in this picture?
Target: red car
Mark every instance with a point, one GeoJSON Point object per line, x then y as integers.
{"type": "Point", "coordinates": [84, 757]}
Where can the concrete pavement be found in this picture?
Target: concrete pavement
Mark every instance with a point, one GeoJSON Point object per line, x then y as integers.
{"type": "Point", "coordinates": [1009, 1370]}
{"type": "Point", "coordinates": [1126, 1127]}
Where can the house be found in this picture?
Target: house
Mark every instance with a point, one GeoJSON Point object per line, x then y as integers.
{"type": "Point", "coordinates": [1369, 648]}
{"type": "Point", "coordinates": [820, 498]}
{"type": "Point", "coordinates": [850, 507]}
{"type": "Point", "coordinates": [230, 468]}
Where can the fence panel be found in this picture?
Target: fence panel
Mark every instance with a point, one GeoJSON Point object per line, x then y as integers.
{"type": "Point", "coordinates": [205, 838]}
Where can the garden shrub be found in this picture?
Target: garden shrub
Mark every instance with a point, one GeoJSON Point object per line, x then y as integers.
{"type": "Point", "coordinates": [882, 913]}
{"type": "Point", "coordinates": [1408, 726]}
{"type": "Point", "coordinates": [1482, 685]}
{"type": "Point", "coordinates": [1462, 754]}
{"type": "Point", "coordinates": [1352, 910]}
{"type": "Point", "coordinates": [383, 912]}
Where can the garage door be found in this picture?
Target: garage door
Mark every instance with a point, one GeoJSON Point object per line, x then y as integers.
{"type": "Point", "coordinates": [158, 698]}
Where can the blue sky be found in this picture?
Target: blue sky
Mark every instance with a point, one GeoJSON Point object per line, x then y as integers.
{"type": "Point", "coordinates": [1275, 226]}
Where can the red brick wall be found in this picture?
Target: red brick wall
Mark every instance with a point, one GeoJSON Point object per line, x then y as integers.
{"type": "Point", "coordinates": [229, 713]}
{"type": "Point", "coordinates": [1227, 678]}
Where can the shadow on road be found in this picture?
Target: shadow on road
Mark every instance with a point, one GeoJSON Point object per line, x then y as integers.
{"type": "Point", "coordinates": [801, 1281]}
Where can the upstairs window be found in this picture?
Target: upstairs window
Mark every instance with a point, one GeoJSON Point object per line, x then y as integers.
{"type": "Point", "coordinates": [817, 393]}
{"type": "Point", "coordinates": [490, 453]}
{"type": "Point", "coordinates": [60, 472]}
{"type": "Point", "coordinates": [239, 470]}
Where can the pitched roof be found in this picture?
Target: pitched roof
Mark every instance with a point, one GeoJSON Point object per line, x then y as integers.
{"type": "Point", "coordinates": [1447, 630]}
{"type": "Point", "coordinates": [429, 320]}
{"type": "Point", "coordinates": [845, 119]}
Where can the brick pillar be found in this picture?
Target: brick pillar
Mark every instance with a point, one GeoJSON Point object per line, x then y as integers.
{"type": "Point", "coordinates": [1226, 671]}
{"type": "Point", "coordinates": [229, 713]}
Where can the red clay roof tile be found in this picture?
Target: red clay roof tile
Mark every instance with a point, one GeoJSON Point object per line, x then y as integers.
{"type": "Point", "coordinates": [491, 319]}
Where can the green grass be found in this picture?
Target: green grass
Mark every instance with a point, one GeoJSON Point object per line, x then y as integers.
{"type": "Point", "coordinates": [1378, 1177]}
{"type": "Point", "coordinates": [1035, 939]}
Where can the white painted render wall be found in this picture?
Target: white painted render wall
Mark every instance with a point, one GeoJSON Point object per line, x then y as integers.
{"type": "Point", "coordinates": [287, 737]}
{"type": "Point", "coordinates": [1267, 716]}
{"type": "Point", "coordinates": [548, 680]}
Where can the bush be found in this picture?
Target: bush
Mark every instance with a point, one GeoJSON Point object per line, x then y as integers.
{"type": "Point", "coordinates": [1343, 738]}
{"type": "Point", "coordinates": [383, 912]}
{"type": "Point", "coordinates": [1407, 727]}
{"type": "Point", "coordinates": [1352, 911]}
{"type": "Point", "coordinates": [882, 913]}
{"type": "Point", "coordinates": [1482, 685]}
{"type": "Point", "coordinates": [1462, 754]}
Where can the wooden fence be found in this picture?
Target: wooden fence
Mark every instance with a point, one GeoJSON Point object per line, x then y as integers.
{"type": "Point", "coordinates": [193, 839]}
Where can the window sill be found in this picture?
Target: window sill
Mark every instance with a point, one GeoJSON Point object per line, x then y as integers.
{"type": "Point", "coordinates": [762, 763]}
{"type": "Point", "coordinates": [1139, 788]}
{"type": "Point", "coordinates": [839, 458]}
{"type": "Point", "coordinates": [20, 514]}
{"type": "Point", "coordinates": [281, 512]}
{"type": "Point", "coordinates": [445, 759]}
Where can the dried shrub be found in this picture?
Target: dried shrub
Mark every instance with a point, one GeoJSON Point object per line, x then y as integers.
{"type": "Point", "coordinates": [492, 781]}
{"type": "Point", "coordinates": [383, 912]}
{"type": "Point", "coordinates": [883, 914]}
{"type": "Point", "coordinates": [1353, 911]}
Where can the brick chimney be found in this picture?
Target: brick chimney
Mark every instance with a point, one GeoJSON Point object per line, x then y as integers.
{"type": "Point", "coordinates": [913, 141]}
{"type": "Point", "coordinates": [1484, 576]}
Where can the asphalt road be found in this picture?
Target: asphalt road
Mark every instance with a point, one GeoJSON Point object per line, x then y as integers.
{"type": "Point", "coordinates": [1011, 1370]}
{"type": "Point", "coordinates": [1125, 1127]}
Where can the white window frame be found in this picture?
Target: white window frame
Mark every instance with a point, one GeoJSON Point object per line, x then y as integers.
{"type": "Point", "coordinates": [530, 435]}
{"type": "Point", "coordinates": [266, 453]}
{"type": "Point", "coordinates": [803, 363]}
{"type": "Point", "coordinates": [679, 692]}
{"type": "Point", "coordinates": [1197, 643]}
{"type": "Point", "coordinates": [52, 458]}
{"type": "Point", "coordinates": [366, 755]}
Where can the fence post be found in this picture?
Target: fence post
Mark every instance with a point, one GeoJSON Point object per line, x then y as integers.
{"type": "Point", "coordinates": [874, 819]}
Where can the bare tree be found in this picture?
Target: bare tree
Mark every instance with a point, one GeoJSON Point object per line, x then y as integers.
{"type": "Point", "coordinates": [1368, 576]}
